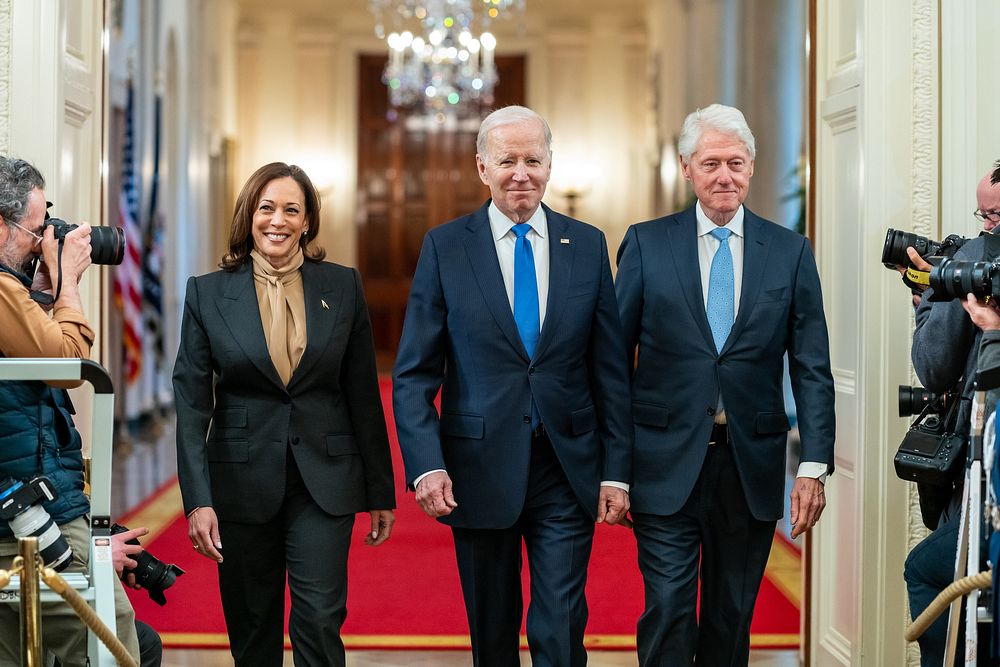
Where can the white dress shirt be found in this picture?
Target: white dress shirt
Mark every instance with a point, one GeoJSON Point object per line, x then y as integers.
{"type": "Point", "coordinates": [538, 236]}
{"type": "Point", "coordinates": [707, 246]}
{"type": "Point", "coordinates": [504, 239]}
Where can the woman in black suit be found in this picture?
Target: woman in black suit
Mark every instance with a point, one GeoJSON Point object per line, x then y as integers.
{"type": "Point", "coordinates": [280, 433]}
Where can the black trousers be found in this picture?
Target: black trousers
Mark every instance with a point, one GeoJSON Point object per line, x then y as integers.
{"type": "Point", "coordinates": [312, 546]}
{"type": "Point", "coordinates": [558, 535]}
{"type": "Point", "coordinates": [713, 538]}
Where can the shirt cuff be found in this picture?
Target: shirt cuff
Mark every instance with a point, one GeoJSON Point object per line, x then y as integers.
{"type": "Point", "coordinates": [429, 472]}
{"type": "Point", "coordinates": [618, 485]}
{"type": "Point", "coordinates": [813, 470]}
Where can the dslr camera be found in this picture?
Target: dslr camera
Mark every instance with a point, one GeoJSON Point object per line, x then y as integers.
{"type": "Point", "coordinates": [896, 243]}
{"type": "Point", "coordinates": [150, 572]}
{"type": "Point", "coordinates": [107, 244]}
{"type": "Point", "coordinates": [21, 507]}
{"type": "Point", "coordinates": [931, 452]}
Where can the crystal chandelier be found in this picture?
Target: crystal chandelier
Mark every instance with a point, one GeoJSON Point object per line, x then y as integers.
{"type": "Point", "coordinates": [440, 52]}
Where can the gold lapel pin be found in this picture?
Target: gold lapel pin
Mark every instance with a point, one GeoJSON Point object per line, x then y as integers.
{"type": "Point", "coordinates": [323, 303]}
{"type": "Point", "coordinates": [564, 241]}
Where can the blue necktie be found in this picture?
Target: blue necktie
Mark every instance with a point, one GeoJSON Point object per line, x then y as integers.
{"type": "Point", "coordinates": [721, 290]}
{"type": "Point", "coordinates": [526, 299]}
{"type": "Point", "coordinates": [525, 289]}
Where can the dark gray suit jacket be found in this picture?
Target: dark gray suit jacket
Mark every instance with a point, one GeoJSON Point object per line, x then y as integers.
{"type": "Point", "coordinates": [236, 419]}
{"type": "Point", "coordinates": [679, 375]}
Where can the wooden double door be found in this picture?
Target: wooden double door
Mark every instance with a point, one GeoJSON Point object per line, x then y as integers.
{"type": "Point", "coordinates": [413, 174]}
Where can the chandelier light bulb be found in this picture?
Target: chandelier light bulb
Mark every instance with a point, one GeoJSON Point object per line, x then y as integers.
{"type": "Point", "coordinates": [436, 65]}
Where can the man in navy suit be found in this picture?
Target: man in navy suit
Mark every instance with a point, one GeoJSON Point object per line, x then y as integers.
{"type": "Point", "coordinates": [714, 297]}
{"type": "Point", "coordinates": [512, 314]}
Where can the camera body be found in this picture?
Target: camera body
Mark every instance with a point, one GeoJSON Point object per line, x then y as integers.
{"type": "Point", "coordinates": [896, 243]}
{"type": "Point", "coordinates": [21, 507]}
{"type": "Point", "coordinates": [107, 244]}
{"type": "Point", "coordinates": [931, 452]}
{"type": "Point", "coordinates": [150, 572]}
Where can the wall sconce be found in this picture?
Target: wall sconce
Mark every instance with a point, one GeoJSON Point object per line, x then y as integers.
{"type": "Point", "coordinates": [572, 195]}
{"type": "Point", "coordinates": [573, 182]}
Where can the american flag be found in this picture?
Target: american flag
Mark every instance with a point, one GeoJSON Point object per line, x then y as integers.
{"type": "Point", "coordinates": [128, 275]}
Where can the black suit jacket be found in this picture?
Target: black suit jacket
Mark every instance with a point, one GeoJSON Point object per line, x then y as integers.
{"type": "Point", "coordinates": [460, 336]}
{"type": "Point", "coordinates": [679, 375]}
{"type": "Point", "coordinates": [236, 419]}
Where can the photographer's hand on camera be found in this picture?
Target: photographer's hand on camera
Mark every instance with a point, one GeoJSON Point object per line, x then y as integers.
{"type": "Point", "coordinates": [920, 264]}
{"type": "Point", "coordinates": [984, 315]}
{"type": "Point", "coordinates": [122, 552]}
{"type": "Point", "coordinates": [76, 258]}
{"type": "Point", "coordinates": [203, 529]}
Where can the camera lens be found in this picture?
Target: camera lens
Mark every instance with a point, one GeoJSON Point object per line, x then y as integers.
{"type": "Point", "coordinates": [52, 546]}
{"type": "Point", "coordinates": [953, 279]}
{"type": "Point", "coordinates": [150, 572]}
{"type": "Point", "coordinates": [912, 400]}
{"type": "Point", "coordinates": [107, 245]}
{"type": "Point", "coordinates": [896, 243]}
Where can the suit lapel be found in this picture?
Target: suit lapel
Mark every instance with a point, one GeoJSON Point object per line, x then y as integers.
{"type": "Point", "coordinates": [241, 313]}
{"type": "Point", "coordinates": [320, 321]}
{"type": "Point", "coordinates": [682, 240]}
{"type": "Point", "coordinates": [560, 273]}
{"type": "Point", "coordinates": [755, 252]}
{"type": "Point", "coordinates": [482, 253]}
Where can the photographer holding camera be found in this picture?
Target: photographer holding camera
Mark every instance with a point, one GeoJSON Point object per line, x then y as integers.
{"type": "Point", "coordinates": [945, 352]}
{"type": "Point", "coordinates": [37, 434]}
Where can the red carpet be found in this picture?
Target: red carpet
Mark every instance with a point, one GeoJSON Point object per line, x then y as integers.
{"type": "Point", "coordinates": [406, 593]}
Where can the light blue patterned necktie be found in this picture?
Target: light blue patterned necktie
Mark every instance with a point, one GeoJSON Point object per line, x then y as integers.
{"type": "Point", "coordinates": [525, 289]}
{"type": "Point", "coordinates": [721, 290]}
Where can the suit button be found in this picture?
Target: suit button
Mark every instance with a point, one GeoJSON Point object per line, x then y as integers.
{"type": "Point", "coordinates": [719, 361]}
{"type": "Point", "coordinates": [531, 371]}
{"type": "Point", "coordinates": [526, 419]}
{"type": "Point", "coordinates": [295, 439]}
{"type": "Point", "coordinates": [710, 411]}
{"type": "Point", "coordinates": [286, 399]}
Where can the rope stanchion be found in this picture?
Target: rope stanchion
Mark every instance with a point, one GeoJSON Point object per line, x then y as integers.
{"type": "Point", "coordinates": [958, 588]}
{"type": "Point", "coordinates": [88, 616]}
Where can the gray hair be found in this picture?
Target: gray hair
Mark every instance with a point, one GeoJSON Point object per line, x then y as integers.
{"type": "Point", "coordinates": [511, 115]}
{"type": "Point", "coordinates": [17, 179]}
{"type": "Point", "coordinates": [718, 117]}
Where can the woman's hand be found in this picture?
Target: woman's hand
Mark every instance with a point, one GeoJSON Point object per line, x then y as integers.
{"type": "Point", "coordinates": [382, 521]}
{"type": "Point", "coordinates": [203, 529]}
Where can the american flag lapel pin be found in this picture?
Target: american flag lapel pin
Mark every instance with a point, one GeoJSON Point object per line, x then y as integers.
{"type": "Point", "coordinates": [566, 241]}
{"type": "Point", "coordinates": [323, 303]}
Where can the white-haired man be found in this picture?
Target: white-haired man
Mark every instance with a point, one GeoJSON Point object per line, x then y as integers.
{"type": "Point", "coordinates": [713, 297]}
{"type": "Point", "coordinates": [512, 315]}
